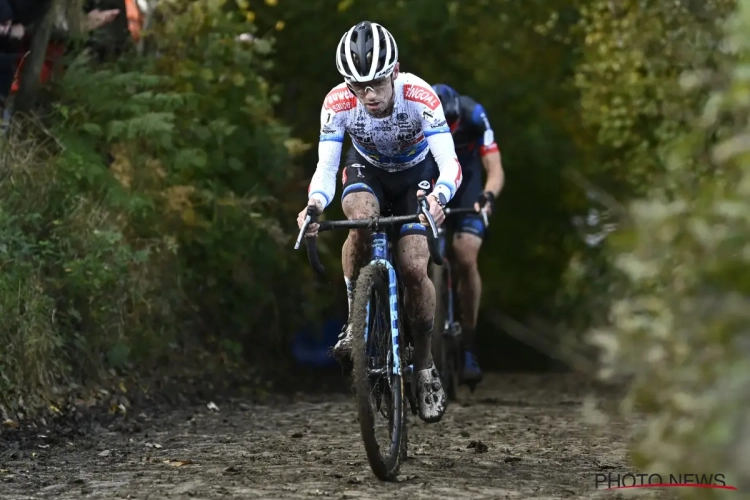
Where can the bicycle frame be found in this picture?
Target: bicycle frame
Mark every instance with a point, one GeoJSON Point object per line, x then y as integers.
{"type": "Point", "coordinates": [382, 255]}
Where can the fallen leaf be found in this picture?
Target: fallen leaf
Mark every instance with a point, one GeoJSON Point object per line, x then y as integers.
{"type": "Point", "coordinates": [43, 446]}
{"type": "Point", "coordinates": [212, 406]}
{"type": "Point", "coordinates": [178, 463]}
{"type": "Point", "coordinates": [105, 453]}
{"type": "Point", "coordinates": [154, 445]}
{"type": "Point", "coordinates": [10, 424]}
{"type": "Point", "coordinates": [122, 387]}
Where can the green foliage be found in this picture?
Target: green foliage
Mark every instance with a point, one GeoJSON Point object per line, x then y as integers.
{"type": "Point", "coordinates": [679, 326]}
{"type": "Point", "coordinates": [205, 162]}
{"type": "Point", "coordinates": [638, 115]}
{"type": "Point", "coordinates": [72, 287]}
{"type": "Point", "coordinates": [160, 214]}
{"type": "Point", "coordinates": [632, 57]}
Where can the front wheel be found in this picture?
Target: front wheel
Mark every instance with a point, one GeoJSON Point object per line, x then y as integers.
{"type": "Point", "coordinates": [379, 391]}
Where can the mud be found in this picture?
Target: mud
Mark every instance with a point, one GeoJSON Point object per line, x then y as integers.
{"type": "Point", "coordinates": [518, 436]}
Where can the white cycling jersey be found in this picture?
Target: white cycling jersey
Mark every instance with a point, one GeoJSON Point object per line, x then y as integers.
{"type": "Point", "coordinates": [416, 127]}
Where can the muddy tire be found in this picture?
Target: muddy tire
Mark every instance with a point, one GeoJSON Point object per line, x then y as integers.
{"type": "Point", "coordinates": [443, 350]}
{"type": "Point", "coordinates": [372, 289]}
{"type": "Point", "coordinates": [437, 276]}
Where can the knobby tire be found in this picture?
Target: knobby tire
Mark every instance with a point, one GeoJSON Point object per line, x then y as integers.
{"type": "Point", "coordinates": [373, 282]}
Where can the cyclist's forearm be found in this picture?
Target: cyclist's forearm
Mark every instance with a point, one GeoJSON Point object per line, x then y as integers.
{"type": "Point", "coordinates": [495, 175]}
{"type": "Point", "coordinates": [449, 180]}
{"type": "Point", "coordinates": [323, 183]}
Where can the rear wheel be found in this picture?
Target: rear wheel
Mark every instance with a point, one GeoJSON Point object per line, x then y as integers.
{"type": "Point", "coordinates": [437, 278]}
{"type": "Point", "coordinates": [379, 392]}
{"type": "Point", "coordinates": [443, 350]}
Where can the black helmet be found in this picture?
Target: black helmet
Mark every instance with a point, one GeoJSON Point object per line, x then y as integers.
{"type": "Point", "coordinates": [449, 99]}
{"type": "Point", "coordinates": [366, 52]}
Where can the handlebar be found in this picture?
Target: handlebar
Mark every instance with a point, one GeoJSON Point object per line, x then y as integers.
{"type": "Point", "coordinates": [374, 223]}
{"type": "Point", "coordinates": [485, 220]}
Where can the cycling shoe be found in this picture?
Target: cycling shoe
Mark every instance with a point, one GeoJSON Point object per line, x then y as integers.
{"type": "Point", "coordinates": [431, 400]}
{"type": "Point", "coordinates": [342, 351]}
{"type": "Point", "coordinates": [472, 374]}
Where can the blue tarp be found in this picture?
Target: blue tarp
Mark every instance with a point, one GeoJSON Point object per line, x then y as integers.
{"type": "Point", "coordinates": [311, 346]}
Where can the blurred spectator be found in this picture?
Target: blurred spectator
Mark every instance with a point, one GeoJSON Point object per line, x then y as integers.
{"type": "Point", "coordinates": [18, 19]}
{"type": "Point", "coordinates": [16, 16]}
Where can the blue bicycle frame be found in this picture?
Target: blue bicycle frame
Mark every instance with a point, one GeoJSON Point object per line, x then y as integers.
{"type": "Point", "coordinates": [381, 255]}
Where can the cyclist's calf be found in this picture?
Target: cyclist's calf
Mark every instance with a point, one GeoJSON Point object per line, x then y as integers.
{"type": "Point", "coordinates": [466, 251]}
{"type": "Point", "coordinates": [419, 299]}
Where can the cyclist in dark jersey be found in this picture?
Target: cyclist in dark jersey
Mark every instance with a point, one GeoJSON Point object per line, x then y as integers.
{"type": "Point", "coordinates": [476, 150]}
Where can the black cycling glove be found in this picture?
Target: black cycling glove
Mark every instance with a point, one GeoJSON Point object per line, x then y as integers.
{"type": "Point", "coordinates": [485, 198]}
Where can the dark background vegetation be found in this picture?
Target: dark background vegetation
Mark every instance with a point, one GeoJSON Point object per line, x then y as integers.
{"type": "Point", "coordinates": [148, 218]}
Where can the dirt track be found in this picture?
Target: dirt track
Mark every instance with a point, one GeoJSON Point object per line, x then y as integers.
{"type": "Point", "coordinates": [532, 426]}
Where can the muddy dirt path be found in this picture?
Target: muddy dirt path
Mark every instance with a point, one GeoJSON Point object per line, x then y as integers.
{"type": "Point", "coordinates": [537, 446]}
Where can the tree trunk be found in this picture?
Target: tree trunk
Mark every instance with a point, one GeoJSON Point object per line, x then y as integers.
{"type": "Point", "coordinates": [32, 68]}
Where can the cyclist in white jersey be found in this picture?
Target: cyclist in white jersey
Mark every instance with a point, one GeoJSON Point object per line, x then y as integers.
{"type": "Point", "coordinates": [402, 147]}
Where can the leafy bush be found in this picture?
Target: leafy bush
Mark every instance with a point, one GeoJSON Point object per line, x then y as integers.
{"type": "Point", "coordinates": [159, 213]}
{"type": "Point", "coordinates": [75, 291]}
{"type": "Point", "coordinates": [680, 327]}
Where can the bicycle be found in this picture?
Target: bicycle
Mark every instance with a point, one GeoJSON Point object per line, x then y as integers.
{"type": "Point", "coordinates": [447, 335]}
{"type": "Point", "coordinates": [383, 378]}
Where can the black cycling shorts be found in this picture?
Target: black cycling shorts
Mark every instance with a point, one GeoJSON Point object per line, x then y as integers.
{"type": "Point", "coordinates": [394, 190]}
{"type": "Point", "coordinates": [466, 196]}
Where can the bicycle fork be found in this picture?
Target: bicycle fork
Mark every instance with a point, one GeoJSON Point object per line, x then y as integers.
{"type": "Point", "coordinates": [380, 254]}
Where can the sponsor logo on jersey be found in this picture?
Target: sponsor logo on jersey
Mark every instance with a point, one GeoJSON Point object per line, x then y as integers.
{"type": "Point", "coordinates": [489, 137]}
{"type": "Point", "coordinates": [427, 115]}
{"type": "Point", "coordinates": [359, 168]}
{"type": "Point", "coordinates": [424, 184]}
{"type": "Point", "coordinates": [402, 117]}
{"type": "Point", "coordinates": [418, 93]}
{"type": "Point", "coordinates": [340, 100]}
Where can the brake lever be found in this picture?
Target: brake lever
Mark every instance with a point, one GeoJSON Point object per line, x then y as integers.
{"type": "Point", "coordinates": [310, 215]}
{"type": "Point", "coordinates": [483, 201]}
{"type": "Point", "coordinates": [424, 205]}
